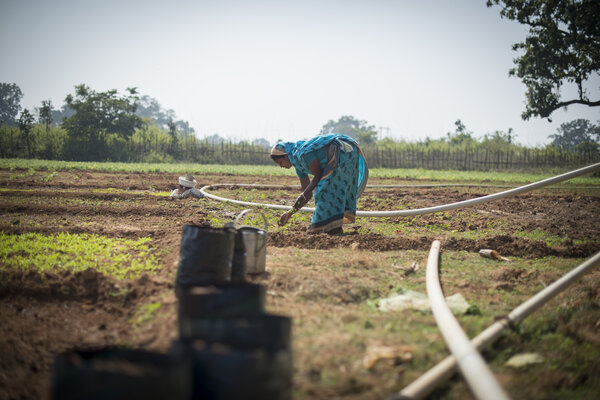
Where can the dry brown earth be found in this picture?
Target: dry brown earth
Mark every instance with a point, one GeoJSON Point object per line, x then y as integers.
{"type": "Point", "coordinates": [43, 315]}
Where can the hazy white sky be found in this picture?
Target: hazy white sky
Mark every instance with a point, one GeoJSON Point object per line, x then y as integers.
{"type": "Point", "coordinates": [281, 69]}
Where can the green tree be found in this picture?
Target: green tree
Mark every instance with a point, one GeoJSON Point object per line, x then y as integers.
{"type": "Point", "coordinates": [45, 113]}
{"type": "Point", "coordinates": [460, 136]}
{"type": "Point", "coordinates": [348, 125]}
{"type": "Point", "coordinates": [575, 134]}
{"type": "Point", "coordinates": [498, 140]}
{"type": "Point", "coordinates": [10, 103]}
{"type": "Point", "coordinates": [562, 46]}
{"type": "Point", "coordinates": [25, 125]}
{"type": "Point", "coordinates": [100, 118]}
{"type": "Point", "coordinates": [45, 118]}
{"type": "Point", "coordinates": [366, 135]}
{"type": "Point", "coordinates": [173, 134]}
{"type": "Point", "coordinates": [60, 114]}
{"type": "Point", "coordinates": [149, 107]}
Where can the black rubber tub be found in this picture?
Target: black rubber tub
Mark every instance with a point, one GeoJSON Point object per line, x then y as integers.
{"type": "Point", "coordinates": [272, 332]}
{"type": "Point", "coordinates": [240, 358]}
{"type": "Point", "coordinates": [120, 374]}
{"type": "Point", "coordinates": [205, 256]}
{"type": "Point", "coordinates": [231, 299]}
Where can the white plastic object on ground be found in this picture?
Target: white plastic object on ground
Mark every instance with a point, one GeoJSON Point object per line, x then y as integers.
{"type": "Point", "coordinates": [190, 192]}
{"type": "Point", "coordinates": [413, 300]}
{"type": "Point", "coordinates": [187, 181]}
{"type": "Point", "coordinates": [524, 360]}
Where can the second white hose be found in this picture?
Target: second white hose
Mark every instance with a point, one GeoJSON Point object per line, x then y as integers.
{"type": "Point", "coordinates": [472, 366]}
{"type": "Point", "coordinates": [417, 211]}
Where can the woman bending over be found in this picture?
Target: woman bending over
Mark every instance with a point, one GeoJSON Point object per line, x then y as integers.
{"type": "Point", "coordinates": [339, 172]}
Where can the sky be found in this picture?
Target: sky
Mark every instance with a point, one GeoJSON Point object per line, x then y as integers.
{"type": "Point", "coordinates": [280, 69]}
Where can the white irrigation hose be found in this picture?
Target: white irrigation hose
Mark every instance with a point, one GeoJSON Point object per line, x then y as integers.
{"type": "Point", "coordinates": [248, 203]}
{"type": "Point", "coordinates": [444, 370]}
{"type": "Point", "coordinates": [418, 211]}
{"type": "Point", "coordinates": [472, 366]}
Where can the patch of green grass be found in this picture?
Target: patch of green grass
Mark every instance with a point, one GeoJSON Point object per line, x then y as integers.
{"type": "Point", "coordinates": [145, 314]}
{"type": "Point", "coordinates": [102, 190]}
{"type": "Point", "coordinates": [537, 234]}
{"type": "Point", "coordinates": [50, 176]}
{"type": "Point", "coordinates": [569, 359]}
{"type": "Point", "coordinates": [14, 163]}
{"type": "Point", "coordinates": [19, 190]}
{"type": "Point", "coordinates": [69, 201]}
{"type": "Point", "coordinates": [30, 172]}
{"type": "Point", "coordinates": [121, 258]}
{"type": "Point", "coordinates": [489, 177]}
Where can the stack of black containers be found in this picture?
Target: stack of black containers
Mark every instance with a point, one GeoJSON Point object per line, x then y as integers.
{"type": "Point", "coordinates": [237, 350]}
{"type": "Point", "coordinates": [229, 347]}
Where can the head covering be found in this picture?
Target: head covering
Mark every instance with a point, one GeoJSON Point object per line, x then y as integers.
{"type": "Point", "coordinates": [288, 149]}
{"type": "Point", "coordinates": [278, 150]}
{"type": "Point", "coordinates": [187, 181]}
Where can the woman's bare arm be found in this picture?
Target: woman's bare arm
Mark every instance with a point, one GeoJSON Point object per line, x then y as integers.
{"type": "Point", "coordinates": [308, 185]}
{"type": "Point", "coordinates": [304, 182]}
{"type": "Point", "coordinates": [315, 169]}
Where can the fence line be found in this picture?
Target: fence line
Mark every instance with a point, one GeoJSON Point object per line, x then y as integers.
{"type": "Point", "coordinates": [144, 147]}
{"type": "Point", "coordinates": [469, 159]}
{"type": "Point", "coordinates": [456, 159]}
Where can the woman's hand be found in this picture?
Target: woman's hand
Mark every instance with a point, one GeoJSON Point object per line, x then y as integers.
{"type": "Point", "coordinates": [285, 217]}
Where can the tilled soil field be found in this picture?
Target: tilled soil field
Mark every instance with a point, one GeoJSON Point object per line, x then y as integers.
{"type": "Point", "coordinates": [45, 314]}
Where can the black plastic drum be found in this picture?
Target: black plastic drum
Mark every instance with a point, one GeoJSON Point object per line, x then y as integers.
{"type": "Point", "coordinates": [222, 300]}
{"type": "Point", "coordinates": [120, 374]}
{"type": "Point", "coordinates": [205, 256]}
{"type": "Point", "coordinates": [240, 358]}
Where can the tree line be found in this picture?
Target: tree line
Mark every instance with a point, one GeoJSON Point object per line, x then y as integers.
{"type": "Point", "coordinates": [108, 126]}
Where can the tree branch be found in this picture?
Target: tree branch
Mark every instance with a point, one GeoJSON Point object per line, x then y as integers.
{"type": "Point", "coordinates": [539, 24]}
{"type": "Point", "coordinates": [577, 101]}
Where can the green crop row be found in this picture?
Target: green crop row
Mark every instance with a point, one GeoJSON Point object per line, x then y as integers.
{"type": "Point", "coordinates": [51, 165]}
{"type": "Point", "coordinates": [272, 170]}
{"type": "Point", "coordinates": [121, 258]}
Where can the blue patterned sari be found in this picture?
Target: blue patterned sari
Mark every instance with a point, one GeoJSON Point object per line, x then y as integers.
{"type": "Point", "coordinates": [344, 178]}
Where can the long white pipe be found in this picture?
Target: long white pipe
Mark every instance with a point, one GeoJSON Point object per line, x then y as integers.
{"type": "Point", "coordinates": [444, 370]}
{"type": "Point", "coordinates": [417, 211]}
{"type": "Point", "coordinates": [472, 366]}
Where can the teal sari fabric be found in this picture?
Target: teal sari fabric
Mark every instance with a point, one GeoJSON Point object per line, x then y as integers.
{"type": "Point", "coordinates": [345, 175]}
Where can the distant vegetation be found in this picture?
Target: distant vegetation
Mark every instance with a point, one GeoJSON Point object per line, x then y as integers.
{"type": "Point", "coordinates": [108, 126]}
